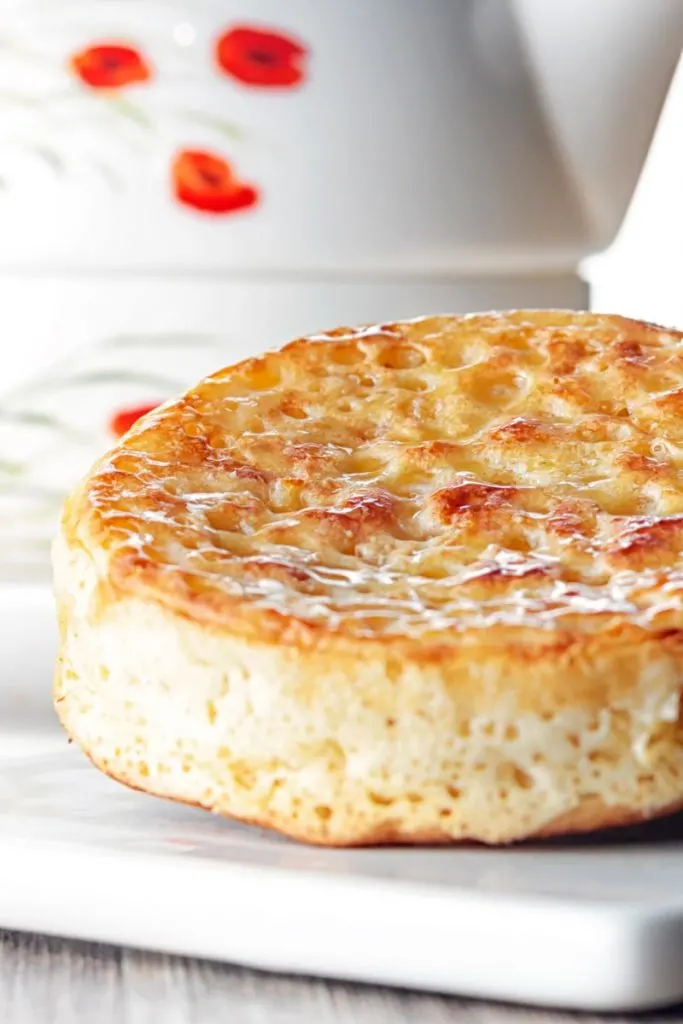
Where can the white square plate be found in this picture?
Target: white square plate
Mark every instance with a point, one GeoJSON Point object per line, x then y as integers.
{"type": "Point", "coordinates": [586, 925]}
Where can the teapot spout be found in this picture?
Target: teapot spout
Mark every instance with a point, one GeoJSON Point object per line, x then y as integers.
{"type": "Point", "coordinates": [602, 72]}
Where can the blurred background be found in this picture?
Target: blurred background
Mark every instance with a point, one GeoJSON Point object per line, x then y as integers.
{"type": "Point", "coordinates": [184, 184]}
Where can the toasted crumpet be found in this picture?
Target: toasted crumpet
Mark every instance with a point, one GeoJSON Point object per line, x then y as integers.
{"type": "Point", "coordinates": [416, 582]}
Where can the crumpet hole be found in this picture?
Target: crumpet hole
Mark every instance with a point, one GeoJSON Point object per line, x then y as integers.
{"type": "Point", "coordinates": [224, 519]}
{"type": "Point", "coordinates": [295, 412]}
{"type": "Point", "coordinates": [494, 389]}
{"type": "Point", "coordinates": [346, 355]}
{"type": "Point", "coordinates": [521, 778]}
{"type": "Point", "coordinates": [414, 384]}
{"type": "Point", "coordinates": [215, 438]}
{"type": "Point", "coordinates": [363, 463]}
{"type": "Point", "coordinates": [193, 428]}
{"type": "Point", "coordinates": [400, 357]}
{"type": "Point", "coordinates": [261, 375]}
{"type": "Point", "coordinates": [518, 542]}
{"type": "Point", "coordinates": [382, 801]}
{"type": "Point", "coordinates": [601, 757]}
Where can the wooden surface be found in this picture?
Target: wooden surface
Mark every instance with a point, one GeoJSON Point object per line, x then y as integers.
{"type": "Point", "coordinates": [50, 981]}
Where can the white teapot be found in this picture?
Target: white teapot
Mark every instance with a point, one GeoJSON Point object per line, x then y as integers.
{"type": "Point", "coordinates": [441, 145]}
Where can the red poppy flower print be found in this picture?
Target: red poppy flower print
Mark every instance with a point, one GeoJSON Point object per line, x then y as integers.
{"type": "Point", "coordinates": [124, 419]}
{"type": "Point", "coordinates": [207, 182]}
{"type": "Point", "coordinates": [110, 66]}
{"type": "Point", "coordinates": [263, 59]}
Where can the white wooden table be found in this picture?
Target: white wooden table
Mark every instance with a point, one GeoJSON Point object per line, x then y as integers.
{"type": "Point", "coordinates": [51, 981]}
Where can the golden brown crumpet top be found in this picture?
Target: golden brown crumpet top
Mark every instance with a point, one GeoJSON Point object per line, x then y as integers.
{"type": "Point", "coordinates": [407, 482]}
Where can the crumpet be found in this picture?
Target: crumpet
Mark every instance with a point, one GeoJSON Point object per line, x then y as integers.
{"type": "Point", "coordinates": [418, 582]}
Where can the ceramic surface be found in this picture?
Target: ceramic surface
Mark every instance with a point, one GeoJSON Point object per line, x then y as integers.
{"type": "Point", "coordinates": [307, 137]}
{"type": "Point", "coordinates": [579, 927]}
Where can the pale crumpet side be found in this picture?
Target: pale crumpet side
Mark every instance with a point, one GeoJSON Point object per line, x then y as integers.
{"type": "Point", "coordinates": [417, 582]}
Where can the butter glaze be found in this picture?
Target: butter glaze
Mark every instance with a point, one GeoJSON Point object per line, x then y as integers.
{"type": "Point", "coordinates": [424, 477]}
